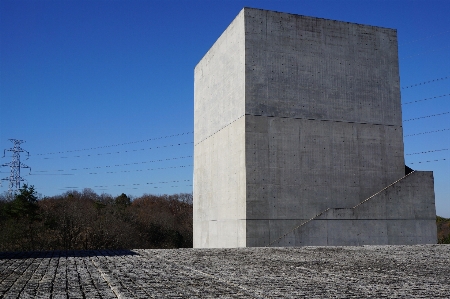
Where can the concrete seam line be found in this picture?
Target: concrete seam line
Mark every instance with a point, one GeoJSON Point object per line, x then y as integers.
{"type": "Point", "coordinates": [191, 269]}
{"type": "Point", "coordinates": [385, 188]}
{"type": "Point", "coordinates": [350, 122]}
{"type": "Point", "coordinates": [108, 280]}
{"type": "Point", "coordinates": [301, 224]}
{"type": "Point", "coordinates": [277, 240]}
{"type": "Point", "coordinates": [220, 129]}
{"type": "Point", "coordinates": [330, 120]}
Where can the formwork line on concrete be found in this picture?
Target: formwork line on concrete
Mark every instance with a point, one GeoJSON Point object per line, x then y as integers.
{"type": "Point", "coordinates": [372, 196]}
{"type": "Point", "coordinates": [309, 220]}
{"type": "Point", "coordinates": [323, 120]}
{"type": "Point", "coordinates": [224, 281]}
{"type": "Point", "coordinates": [220, 129]}
{"type": "Point", "coordinates": [298, 226]}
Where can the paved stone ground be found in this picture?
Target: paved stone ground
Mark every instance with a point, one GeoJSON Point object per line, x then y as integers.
{"type": "Point", "coordinates": [421, 271]}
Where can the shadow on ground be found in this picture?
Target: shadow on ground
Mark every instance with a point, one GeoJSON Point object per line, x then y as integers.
{"type": "Point", "coordinates": [64, 253]}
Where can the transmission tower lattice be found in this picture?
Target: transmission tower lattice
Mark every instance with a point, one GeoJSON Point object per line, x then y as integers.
{"type": "Point", "coordinates": [15, 165]}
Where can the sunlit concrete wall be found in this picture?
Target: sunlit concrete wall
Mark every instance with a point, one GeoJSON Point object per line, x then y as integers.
{"type": "Point", "coordinates": [219, 142]}
{"type": "Point", "coordinates": [293, 115]}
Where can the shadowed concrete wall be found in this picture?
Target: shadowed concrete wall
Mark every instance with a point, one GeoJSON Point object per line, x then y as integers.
{"type": "Point", "coordinates": [293, 115]}
{"type": "Point", "coordinates": [402, 214]}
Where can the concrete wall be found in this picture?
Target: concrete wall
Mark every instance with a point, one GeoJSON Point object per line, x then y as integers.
{"type": "Point", "coordinates": [219, 142]}
{"type": "Point", "coordinates": [296, 168]}
{"type": "Point", "coordinates": [293, 115]}
{"type": "Point", "coordinates": [304, 67]}
{"type": "Point", "coordinates": [323, 117]}
{"type": "Point", "coordinates": [219, 89]}
{"type": "Point", "coordinates": [219, 200]}
{"type": "Point", "coordinates": [402, 214]}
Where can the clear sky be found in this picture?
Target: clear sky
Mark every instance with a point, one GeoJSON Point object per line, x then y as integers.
{"type": "Point", "coordinates": [97, 89]}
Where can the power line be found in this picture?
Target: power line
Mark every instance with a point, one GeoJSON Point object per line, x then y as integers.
{"type": "Point", "coordinates": [153, 183]}
{"type": "Point", "coordinates": [426, 52]}
{"type": "Point", "coordinates": [437, 160]}
{"type": "Point", "coordinates": [445, 95]}
{"type": "Point", "coordinates": [118, 165]}
{"type": "Point", "coordinates": [112, 172]}
{"type": "Point", "coordinates": [33, 174]}
{"type": "Point", "coordinates": [426, 152]}
{"type": "Point", "coordinates": [427, 37]}
{"type": "Point", "coordinates": [428, 116]}
{"type": "Point", "coordinates": [426, 82]}
{"type": "Point", "coordinates": [119, 144]}
{"type": "Point", "coordinates": [127, 151]}
{"type": "Point", "coordinates": [139, 184]}
{"type": "Point", "coordinates": [148, 169]}
{"type": "Point", "coordinates": [429, 132]}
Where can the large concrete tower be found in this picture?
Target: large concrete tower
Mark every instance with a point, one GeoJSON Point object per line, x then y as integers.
{"type": "Point", "coordinates": [298, 138]}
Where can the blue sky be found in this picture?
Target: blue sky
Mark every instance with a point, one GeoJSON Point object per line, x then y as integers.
{"type": "Point", "coordinates": [91, 86]}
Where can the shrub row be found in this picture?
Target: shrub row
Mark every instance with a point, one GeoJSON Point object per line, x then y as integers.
{"type": "Point", "coordinates": [86, 220]}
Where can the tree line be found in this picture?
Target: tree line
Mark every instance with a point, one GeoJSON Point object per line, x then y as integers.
{"type": "Point", "coordinates": [443, 228]}
{"type": "Point", "coordinates": [86, 220]}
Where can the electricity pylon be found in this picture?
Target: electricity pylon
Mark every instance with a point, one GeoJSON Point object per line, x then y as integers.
{"type": "Point", "coordinates": [15, 165]}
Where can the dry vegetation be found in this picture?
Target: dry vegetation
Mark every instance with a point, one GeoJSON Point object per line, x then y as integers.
{"type": "Point", "coordinates": [86, 220]}
{"type": "Point", "coordinates": [443, 227]}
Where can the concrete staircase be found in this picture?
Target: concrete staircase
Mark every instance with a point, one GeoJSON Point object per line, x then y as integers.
{"type": "Point", "coordinates": [401, 213]}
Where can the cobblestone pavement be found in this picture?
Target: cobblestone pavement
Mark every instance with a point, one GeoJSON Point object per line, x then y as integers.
{"type": "Point", "coordinates": [421, 271]}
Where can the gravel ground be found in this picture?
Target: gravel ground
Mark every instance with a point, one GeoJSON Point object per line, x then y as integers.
{"type": "Point", "coordinates": [420, 271]}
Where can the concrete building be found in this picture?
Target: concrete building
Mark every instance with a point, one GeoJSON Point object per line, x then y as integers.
{"type": "Point", "coordinates": [298, 138]}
